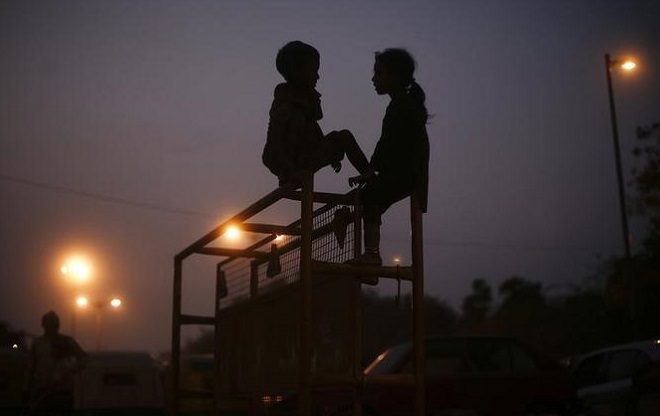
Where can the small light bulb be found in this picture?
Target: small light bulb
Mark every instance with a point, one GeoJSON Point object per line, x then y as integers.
{"type": "Point", "coordinates": [628, 65]}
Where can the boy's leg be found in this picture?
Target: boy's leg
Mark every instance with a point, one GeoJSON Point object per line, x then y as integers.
{"type": "Point", "coordinates": [337, 144]}
{"type": "Point", "coordinates": [353, 151]}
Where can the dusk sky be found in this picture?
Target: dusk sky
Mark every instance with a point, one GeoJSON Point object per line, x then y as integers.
{"type": "Point", "coordinates": [128, 129]}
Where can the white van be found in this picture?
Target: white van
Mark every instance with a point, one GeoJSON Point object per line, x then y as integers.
{"type": "Point", "coordinates": [119, 383]}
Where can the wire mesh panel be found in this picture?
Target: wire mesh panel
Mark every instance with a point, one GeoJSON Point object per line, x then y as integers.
{"type": "Point", "coordinates": [258, 322]}
{"type": "Point", "coordinates": [333, 242]}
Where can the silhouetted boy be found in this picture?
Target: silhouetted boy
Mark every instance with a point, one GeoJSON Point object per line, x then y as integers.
{"type": "Point", "coordinates": [295, 142]}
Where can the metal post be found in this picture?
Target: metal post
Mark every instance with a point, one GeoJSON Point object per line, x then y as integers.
{"type": "Point", "coordinates": [98, 307]}
{"type": "Point", "coordinates": [219, 292]}
{"type": "Point", "coordinates": [358, 317]}
{"type": "Point", "coordinates": [419, 337]}
{"type": "Point", "coordinates": [176, 335]}
{"type": "Point", "coordinates": [306, 319]}
{"type": "Point", "coordinates": [73, 321]}
{"type": "Point", "coordinates": [617, 157]}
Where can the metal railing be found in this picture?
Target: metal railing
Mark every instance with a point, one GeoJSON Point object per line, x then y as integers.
{"type": "Point", "coordinates": [297, 255]}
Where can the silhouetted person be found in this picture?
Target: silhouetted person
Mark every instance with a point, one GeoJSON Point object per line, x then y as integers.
{"type": "Point", "coordinates": [295, 142]}
{"type": "Point", "coordinates": [400, 163]}
{"type": "Point", "coordinates": [54, 359]}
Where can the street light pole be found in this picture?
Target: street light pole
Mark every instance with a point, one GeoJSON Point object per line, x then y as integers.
{"type": "Point", "coordinates": [609, 63]}
{"type": "Point", "coordinates": [98, 306]}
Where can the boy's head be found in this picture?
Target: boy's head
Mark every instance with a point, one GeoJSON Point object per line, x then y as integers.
{"type": "Point", "coordinates": [298, 63]}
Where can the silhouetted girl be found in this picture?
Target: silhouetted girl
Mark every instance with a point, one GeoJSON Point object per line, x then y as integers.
{"type": "Point", "coordinates": [399, 165]}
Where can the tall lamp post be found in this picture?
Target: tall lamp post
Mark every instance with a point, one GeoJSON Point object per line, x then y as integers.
{"type": "Point", "coordinates": [77, 270]}
{"type": "Point", "coordinates": [627, 65]}
{"type": "Point", "coordinates": [98, 306]}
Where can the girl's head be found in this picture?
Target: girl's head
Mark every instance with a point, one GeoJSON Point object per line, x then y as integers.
{"type": "Point", "coordinates": [299, 64]}
{"type": "Point", "coordinates": [393, 75]}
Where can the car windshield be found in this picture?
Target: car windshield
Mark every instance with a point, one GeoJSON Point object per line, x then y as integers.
{"type": "Point", "coordinates": [386, 362]}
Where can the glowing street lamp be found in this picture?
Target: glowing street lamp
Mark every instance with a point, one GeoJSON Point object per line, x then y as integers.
{"type": "Point", "coordinates": [626, 65]}
{"type": "Point", "coordinates": [82, 301]}
{"type": "Point", "coordinates": [77, 269]}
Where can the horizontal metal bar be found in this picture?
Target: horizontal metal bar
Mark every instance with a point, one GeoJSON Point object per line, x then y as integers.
{"type": "Point", "coordinates": [270, 229]}
{"type": "Point", "coordinates": [196, 320]}
{"type": "Point", "coordinates": [392, 272]}
{"type": "Point", "coordinates": [250, 211]}
{"type": "Point", "coordinates": [325, 197]}
{"type": "Point", "coordinates": [294, 225]}
{"type": "Point", "coordinates": [232, 252]}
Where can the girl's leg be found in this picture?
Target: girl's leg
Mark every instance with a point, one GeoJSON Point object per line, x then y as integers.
{"type": "Point", "coordinates": [377, 196]}
{"type": "Point", "coordinates": [371, 254]}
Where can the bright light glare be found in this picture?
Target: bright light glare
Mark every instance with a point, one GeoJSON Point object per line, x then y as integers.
{"type": "Point", "coordinates": [82, 301]}
{"type": "Point", "coordinates": [115, 303]}
{"type": "Point", "coordinates": [628, 65]}
{"type": "Point", "coordinates": [397, 259]}
{"type": "Point", "coordinates": [279, 238]}
{"type": "Point", "coordinates": [78, 269]}
{"type": "Point", "coordinates": [232, 233]}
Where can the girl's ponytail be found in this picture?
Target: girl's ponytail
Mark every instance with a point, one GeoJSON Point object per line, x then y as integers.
{"type": "Point", "coordinates": [416, 92]}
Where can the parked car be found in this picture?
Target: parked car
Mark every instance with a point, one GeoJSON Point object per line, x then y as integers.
{"type": "Point", "coordinates": [119, 383]}
{"type": "Point", "coordinates": [468, 375]}
{"type": "Point", "coordinates": [195, 373]}
{"type": "Point", "coordinates": [620, 380]}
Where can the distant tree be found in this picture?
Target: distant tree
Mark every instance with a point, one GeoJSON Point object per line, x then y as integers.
{"type": "Point", "coordinates": [646, 183]}
{"type": "Point", "coordinates": [524, 311]}
{"type": "Point", "coordinates": [519, 292]}
{"type": "Point", "coordinates": [634, 283]}
{"type": "Point", "coordinates": [589, 321]}
{"type": "Point", "coordinates": [476, 306]}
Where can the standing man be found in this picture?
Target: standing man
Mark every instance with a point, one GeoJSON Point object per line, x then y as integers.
{"type": "Point", "coordinates": [53, 361]}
